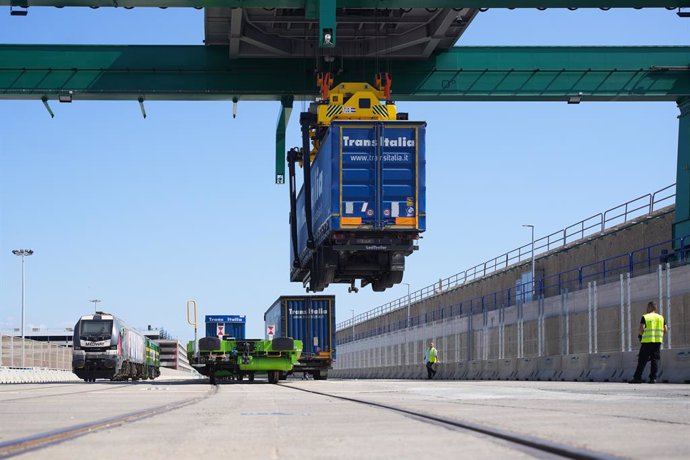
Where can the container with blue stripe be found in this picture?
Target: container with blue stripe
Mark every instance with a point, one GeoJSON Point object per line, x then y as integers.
{"type": "Point", "coordinates": [368, 204]}
{"type": "Point", "coordinates": [310, 319]}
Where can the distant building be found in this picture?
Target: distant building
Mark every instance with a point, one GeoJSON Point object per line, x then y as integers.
{"type": "Point", "coordinates": [56, 336]}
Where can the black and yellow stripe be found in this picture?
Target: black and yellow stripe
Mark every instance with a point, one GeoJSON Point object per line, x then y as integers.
{"type": "Point", "coordinates": [380, 110]}
{"type": "Point", "coordinates": [334, 110]}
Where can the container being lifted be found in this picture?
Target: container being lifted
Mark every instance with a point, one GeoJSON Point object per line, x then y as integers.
{"type": "Point", "coordinates": [364, 179]}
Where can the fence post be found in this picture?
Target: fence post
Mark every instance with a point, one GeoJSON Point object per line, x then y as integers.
{"type": "Point", "coordinates": [627, 279]}
{"type": "Point", "coordinates": [659, 273]}
{"type": "Point", "coordinates": [566, 321]}
{"type": "Point", "coordinates": [12, 351]}
{"type": "Point", "coordinates": [668, 303]}
{"type": "Point", "coordinates": [622, 327]}
{"type": "Point", "coordinates": [538, 326]}
{"type": "Point", "coordinates": [589, 317]}
{"type": "Point", "coordinates": [470, 339]}
{"type": "Point", "coordinates": [595, 308]}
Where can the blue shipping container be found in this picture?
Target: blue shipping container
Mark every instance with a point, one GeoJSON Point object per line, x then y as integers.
{"type": "Point", "coordinates": [310, 319]}
{"type": "Point", "coordinates": [230, 325]}
{"type": "Point", "coordinates": [367, 180]}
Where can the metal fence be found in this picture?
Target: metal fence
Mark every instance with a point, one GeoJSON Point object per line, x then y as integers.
{"type": "Point", "coordinates": [18, 353]}
{"type": "Point", "coordinates": [641, 206]}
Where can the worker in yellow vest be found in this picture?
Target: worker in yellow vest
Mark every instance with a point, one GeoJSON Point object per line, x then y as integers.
{"type": "Point", "coordinates": [652, 329]}
{"type": "Point", "coordinates": [430, 359]}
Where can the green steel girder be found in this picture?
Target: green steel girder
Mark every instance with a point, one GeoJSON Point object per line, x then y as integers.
{"type": "Point", "coordinates": [463, 73]}
{"type": "Point", "coordinates": [283, 118]}
{"type": "Point", "coordinates": [309, 4]}
{"type": "Point", "coordinates": [681, 224]}
{"type": "Point", "coordinates": [327, 24]}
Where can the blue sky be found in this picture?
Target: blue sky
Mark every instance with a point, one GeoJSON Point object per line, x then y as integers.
{"type": "Point", "coordinates": [145, 214]}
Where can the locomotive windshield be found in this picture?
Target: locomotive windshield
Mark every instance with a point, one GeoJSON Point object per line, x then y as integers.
{"type": "Point", "coordinates": [95, 328]}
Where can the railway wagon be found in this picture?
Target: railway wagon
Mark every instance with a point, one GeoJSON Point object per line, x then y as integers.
{"type": "Point", "coordinates": [104, 347]}
{"type": "Point", "coordinates": [225, 358]}
{"type": "Point", "coordinates": [228, 326]}
{"type": "Point", "coordinates": [310, 319]}
{"type": "Point", "coordinates": [367, 205]}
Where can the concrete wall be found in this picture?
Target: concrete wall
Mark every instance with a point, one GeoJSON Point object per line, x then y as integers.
{"type": "Point", "coordinates": [622, 239]}
{"type": "Point", "coordinates": [584, 335]}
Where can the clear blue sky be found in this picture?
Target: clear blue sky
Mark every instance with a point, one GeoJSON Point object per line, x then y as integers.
{"type": "Point", "coordinates": [145, 214]}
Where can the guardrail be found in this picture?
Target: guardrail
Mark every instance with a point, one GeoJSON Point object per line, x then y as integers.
{"type": "Point", "coordinates": [641, 206]}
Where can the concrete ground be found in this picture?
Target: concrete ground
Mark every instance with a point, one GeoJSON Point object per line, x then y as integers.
{"type": "Point", "coordinates": [260, 420]}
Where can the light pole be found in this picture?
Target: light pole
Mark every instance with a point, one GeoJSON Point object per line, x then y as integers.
{"type": "Point", "coordinates": [22, 253]}
{"type": "Point", "coordinates": [95, 304]}
{"type": "Point", "coordinates": [533, 281]}
{"type": "Point", "coordinates": [408, 303]}
{"type": "Point", "coordinates": [353, 324]}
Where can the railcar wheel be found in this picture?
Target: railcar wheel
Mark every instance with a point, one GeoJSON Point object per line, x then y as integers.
{"type": "Point", "coordinates": [251, 377]}
{"type": "Point", "coordinates": [272, 376]}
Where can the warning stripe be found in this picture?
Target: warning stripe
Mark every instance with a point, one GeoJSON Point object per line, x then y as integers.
{"type": "Point", "coordinates": [381, 110]}
{"type": "Point", "coordinates": [334, 110]}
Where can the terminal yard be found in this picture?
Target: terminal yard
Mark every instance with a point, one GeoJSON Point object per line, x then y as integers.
{"type": "Point", "coordinates": [177, 418]}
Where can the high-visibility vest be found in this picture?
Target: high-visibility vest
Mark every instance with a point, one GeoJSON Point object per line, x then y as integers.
{"type": "Point", "coordinates": [432, 355]}
{"type": "Point", "coordinates": [653, 328]}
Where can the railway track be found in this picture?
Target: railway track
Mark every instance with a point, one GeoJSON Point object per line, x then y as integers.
{"type": "Point", "coordinates": [538, 447]}
{"type": "Point", "coordinates": [77, 385]}
{"type": "Point", "coordinates": [39, 441]}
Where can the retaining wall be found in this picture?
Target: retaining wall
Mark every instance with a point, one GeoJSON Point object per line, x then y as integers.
{"type": "Point", "coordinates": [585, 335]}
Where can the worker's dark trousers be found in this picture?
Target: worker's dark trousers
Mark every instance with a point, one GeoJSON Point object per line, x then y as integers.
{"type": "Point", "coordinates": [430, 369]}
{"type": "Point", "coordinates": [648, 352]}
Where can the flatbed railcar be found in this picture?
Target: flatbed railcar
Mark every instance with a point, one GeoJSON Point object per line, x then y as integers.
{"type": "Point", "coordinates": [104, 347]}
{"type": "Point", "coordinates": [221, 358]}
{"type": "Point", "coordinates": [311, 319]}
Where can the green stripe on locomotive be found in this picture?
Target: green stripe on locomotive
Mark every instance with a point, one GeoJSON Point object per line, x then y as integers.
{"type": "Point", "coordinates": [153, 353]}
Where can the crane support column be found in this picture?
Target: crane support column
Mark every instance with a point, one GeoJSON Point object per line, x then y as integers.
{"type": "Point", "coordinates": [681, 226]}
{"type": "Point", "coordinates": [283, 118]}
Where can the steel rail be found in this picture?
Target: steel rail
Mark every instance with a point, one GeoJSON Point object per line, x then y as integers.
{"type": "Point", "coordinates": [524, 441]}
{"type": "Point", "coordinates": [92, 390]}
{"type": "Point", "coordinates": [42, 440]}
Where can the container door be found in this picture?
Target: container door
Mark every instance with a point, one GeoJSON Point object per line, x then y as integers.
{"type": "Point", "coordinates": [359, 169]}
{"type": "Point", "coordinates": [398, 173]}
{"type": "Point", "coordinates": [320, 310]}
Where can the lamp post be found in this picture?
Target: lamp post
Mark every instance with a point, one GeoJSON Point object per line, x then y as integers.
{"type": "Point", "coordinates": [533, 282]}
{"type": "Point", "coordinates": [23, 253]}
{"type": "Point", "coordinates": [408, 303]}
{"type": "Point", "coordinates": [95, 304]}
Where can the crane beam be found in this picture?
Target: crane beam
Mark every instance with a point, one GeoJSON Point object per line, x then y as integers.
{"type": "Point", "coordinates": [574, 74]}
{"type": "Point", "coordinates": [309, 5]}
